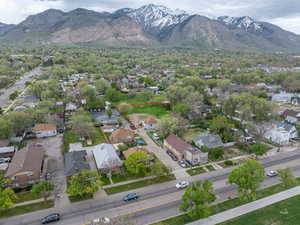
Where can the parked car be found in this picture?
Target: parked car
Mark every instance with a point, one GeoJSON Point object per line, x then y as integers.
{"type": "Point", "coordinates": [155, 136]}
{"type": "Point", "coordinates": [48, 176]}
{"type": "Point", "coordinates": [182, 163]}
{"type": "Point", "coordinates": [182, 184]}
{"type": "Point", "coordinates": [174, 157]}
{"type": "Point", "coordinates": [51, 218]}
{"type": "Point", "coordinates": [272, 173]}
{"type": "Point", "coordinates": [5, 160]}
{"type": "Point", "coordinates": [129, 197]}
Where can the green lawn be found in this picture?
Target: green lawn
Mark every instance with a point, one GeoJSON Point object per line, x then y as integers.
{"type": "Point", "coordinates": [138, 184]}
{"type": "Point", "coordinates": [69, 138]}
{"type": "Point", "coordinates": [285, 212]}
{"type": "Point", "coordinates": [223, 206]}
{"type": "Point", "coordinates": [154, 110]}
{"type": "Point", "coordinates": [26, 196]}
{"type": "Point", "coordinates": [99, 138]}
{"type": "Point", "coordinates": [74, 199]}
{"type": "Point", "coordinates": [196, 171]}
{"type": "Point", "coordinates": [136, 100]}
{"type": "Point", "coordinates": [210, 168]}
{"type": "Point", "coordinates": [117, 178]}
{"type": "Point", "coordinates": [19, 210]}
{"type": "Point", "coordinates": [191, 133]}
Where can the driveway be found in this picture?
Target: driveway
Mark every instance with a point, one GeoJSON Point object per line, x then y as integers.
{"type": "Point", "coordinates": [161, 154]}
{"type": "Point", "coordinates": [54, 164]}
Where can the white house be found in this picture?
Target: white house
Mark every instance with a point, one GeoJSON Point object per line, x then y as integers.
{"type": "Point", "coordinates": [280, 132]}
{"type": "Point", "coordinates": [150, 123]}
{"type": "Point", "coordinates": [282, 97]}
{"type": "Point", "coordinates": [291, 116]}
{"type": "Point", "coordinates": [44, 130]}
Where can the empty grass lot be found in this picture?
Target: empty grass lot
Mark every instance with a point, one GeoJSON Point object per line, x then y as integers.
{"type": "Point", "coordinates": [285, 212]}
{"type": "Point", "coordinates": [154, 110]}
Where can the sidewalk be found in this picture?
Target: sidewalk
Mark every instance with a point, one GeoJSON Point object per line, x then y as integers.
{"type": "Point", "coordinates": [250, 207]}
{"type": "Point", "coordinates": [127, 182]}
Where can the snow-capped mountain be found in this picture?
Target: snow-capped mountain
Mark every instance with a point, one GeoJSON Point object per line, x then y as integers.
{"type": "Point", "coordinates": [155, 18]}
{"type": "Point", "coordinates": [245, 22]}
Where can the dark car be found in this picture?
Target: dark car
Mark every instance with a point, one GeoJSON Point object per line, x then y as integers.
{"type": "Point", "coordinates": [129, 197]}
{"type": "Point", "coordinates": [51, 218]}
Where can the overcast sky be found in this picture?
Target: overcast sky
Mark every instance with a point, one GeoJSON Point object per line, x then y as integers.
{"type": "Point", "coordinates": [285, 13]}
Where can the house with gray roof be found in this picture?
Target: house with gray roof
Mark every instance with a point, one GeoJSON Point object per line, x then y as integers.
{"type": "Point", "coordinates": [75, 162]}
{"type": "Point", "coordinates": [208, 140]}
{"type": "Point", "coordinates": [283, 97]}
{"type": "Point", "coordinates": [106, 158]}
{"type": "Point", "coordinates": [102, 117]}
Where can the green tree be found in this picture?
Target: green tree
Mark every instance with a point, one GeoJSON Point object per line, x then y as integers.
{"type": "Point", "coordinates": [221, 125]}
{"type": "Point", "coordinates": [7, 194]}
{"type": "Point", "coordinates": [287, 178]}
{"type": "Point", "coordinates": [258, 149]}
{"type": "Point", "coordinates": [85, 183]}
{"type": "Point", "coordinates": [36, 89]}
{"type": "Point", "coordinates": [138, 163]}
{"type": "Point", "coordinates": [102, 85]}
{"type": "Point", "coordinates": [43, 188]}
{"type": "Point", "coordinates": [197, 199]}
{"type": "Point", "coordinates": [82, 125]}
{"type": "Point", "coordinates": [158, 169]}
{"type": "Point", "coordinates": [169, 124]}
{"type": "Point", "coordinates": [248, 178]}
{"type": "Point", "coordinates": [5, 128]}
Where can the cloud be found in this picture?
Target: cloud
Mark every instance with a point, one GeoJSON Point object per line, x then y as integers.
{"type": "Point", "coordinates": [285, 13]}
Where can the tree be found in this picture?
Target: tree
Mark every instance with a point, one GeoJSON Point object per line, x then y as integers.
{"type": "Point", "coordinates": [258, 149]}
{"type": "Point", "coordinates": [248, 178]}
{"type": "Point", "coordinates": [221, 125]}
{"type": "Point", "coordinates": [158, 169]}
{"type": "Point", "coordinates": [102, 85]}
{"type": "Point", "coordinates": [82, 126]}
{"type": "Point", "coordinates": [138, 163]}
{"type": "Point", "coordinates": [287, 178]}
{"type": "Point", "coordinates": [7, 194]}
{"type": "Point", "coordinates": [170, 124]}
{"type": "Point", "coordinates": [20, 121]}
{"type": "Point", "coordinates": [109, 112]}
{"type": "Point", "coordinates": [216, 153]}
{"type": "Point", "coordinates": [43, 188]}
{"type": "Point", "coordinates": [36, 89]}
{"type": "Point", "coordinates": [197, 199]}
{"type": "Point", "coordinates": [85, 183]}
{"type": "Point", "coordinates": [5, 128]}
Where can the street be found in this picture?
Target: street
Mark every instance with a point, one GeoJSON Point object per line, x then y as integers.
{"type": "Point", "coordinates": [156, 202]}
{"type": "Point", "coordinates": [18, 86]}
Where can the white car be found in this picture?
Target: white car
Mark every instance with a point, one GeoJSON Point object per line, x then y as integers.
{"type": "Point", "coordinates": [182, 184]}
{"type": "Point", "coordinates": [272, 173]}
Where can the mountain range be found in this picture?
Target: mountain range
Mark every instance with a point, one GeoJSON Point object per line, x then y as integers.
{"type": "Point", "coordinates": [150, 25]}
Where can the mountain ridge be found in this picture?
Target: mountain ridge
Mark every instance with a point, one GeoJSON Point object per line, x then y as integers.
{"type": "Point", "coordinates": [150, 25]}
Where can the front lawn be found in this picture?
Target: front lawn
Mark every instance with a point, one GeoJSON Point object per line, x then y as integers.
{"type": "Point", "coordinates": [138, 184]}
{"type": "Point", "coordinates": [154, 110]}
{"type": "Point", "coordinates": [78, 198]}
{"type": "Point", "coordinates": [117, 178]}
{"type": "Point", "coordinates": [210, 168]}
{"type": "Point", "coordinates": [26, 196]}
{"type": "Point", "coordinates": [19, 210]}
{"type": "Point", "coordinates": [196, 171]}
{"type": "Point", "coordinates": [285, 212]}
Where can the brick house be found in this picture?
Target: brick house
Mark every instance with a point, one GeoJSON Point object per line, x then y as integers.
{"type": "Point", "coordinates": [26, 166]}
{"type": "Point", "coordinates": [184, 151]}
{"type": "Point", "coordinates": [122, 136]}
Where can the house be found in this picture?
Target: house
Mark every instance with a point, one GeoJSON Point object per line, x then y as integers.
{"type": "Point", "coordinates": [184, 151]}
{"type": "Point", "coordinates": [26, 166]}
{"type": "Point", "coordinates": [199, 112]}
{"type": "Point", "coordinates": [70, 107]}
{"type": "Point", "coordinates": [8, 151]}
{"type": "Point", "coordinates": [106, 158]}
{"type": "Point", "coordinates": [75, 162]}
{"type": "Point", "coordinates": [291, 116]}
{"type": "Point", "coordinates": [44, 130]}
{"type": "Point", "coordinates": [122, 135]}
{"type": "Point", "coordinates": [280, 132]}
{"type": "Point", "coordinates": [283, 97]}
{"type": "Point", "coordinates": [154, 90]}
{"type": "Point", "coordinates": [102, 118]}
{"type": "Point", "coordinates": [150, 123]}
{"type": "Point", "coordinates": [128, 152]}
{"type": "Point", "coordinates": [208, 140]}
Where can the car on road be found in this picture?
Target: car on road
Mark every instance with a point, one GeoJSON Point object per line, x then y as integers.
{"type": "Point", "coordinates": [5, 160]}
{"type": "Point", "coordinates": [182, 184]}
{"type": "Point", "coordinates": [155, 136]}
{"type": "Point", "coordinates": [51, 218]}
{"type": "Point", "coordinates": [272, 173]}
{"type": "Point", "coordinates": [171, 154]}
{"type": "Point", "coordinates": [130, 197]}
{"type": "Point", "coordinates": [103, 220]}
{"type": "Point", "coordinates": [183, 164]}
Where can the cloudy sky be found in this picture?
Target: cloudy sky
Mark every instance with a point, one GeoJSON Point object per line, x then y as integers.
{"type": "Point", "coordinates": [285, 13]}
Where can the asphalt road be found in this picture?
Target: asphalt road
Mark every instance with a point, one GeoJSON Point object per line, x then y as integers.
{"type": "Point", "coordinates": [156, 202]}
{"type": "Point", "coordinates": [19, 85]}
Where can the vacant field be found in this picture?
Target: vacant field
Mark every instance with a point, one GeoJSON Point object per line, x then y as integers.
{"type": "Point", "coordinates": [282, 213]}
{"type": "Point", "coordinates": [154, 110]}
